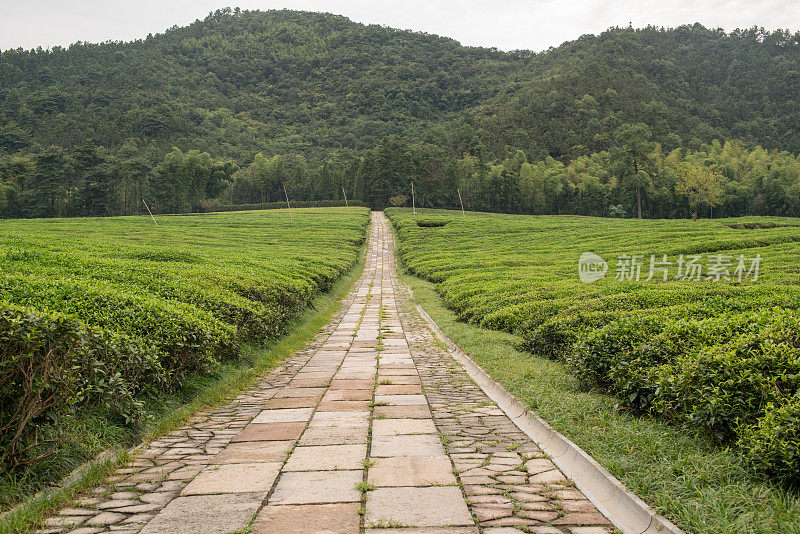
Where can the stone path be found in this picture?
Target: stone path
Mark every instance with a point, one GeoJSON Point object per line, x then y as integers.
{"type": "Point", "coordinates": [372, 428]}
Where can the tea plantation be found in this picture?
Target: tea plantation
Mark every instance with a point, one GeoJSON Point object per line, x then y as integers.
{"type": "Point", "coordinates": [98, 315]}
{"type": "Point", "coordinates": [714, 348]}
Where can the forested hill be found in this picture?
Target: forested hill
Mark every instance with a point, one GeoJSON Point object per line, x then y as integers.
{"type": "Point", "coordinates": [689, 84]}
{"type": "Point", "coordinates": [246, 107]}
{"type": "Point", "coordinates": [241, 82]}
{"type": "Point", "coordinates": [281, 82]}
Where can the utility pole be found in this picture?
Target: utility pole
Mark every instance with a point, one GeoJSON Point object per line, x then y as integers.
{"type": "Point", "coordinates": [413, 202]}
{"type": "Point", "coordinates": [345, 201]}
{"type": "Point", "coordinates": [287, 202]}
{"type": "Point", "coordinates": [150, 212]}
{"type": "Point", "coordinates": [462, 203]}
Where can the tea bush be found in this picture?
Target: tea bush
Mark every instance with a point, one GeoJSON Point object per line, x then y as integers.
{"type": "Point", "coordinates": [102, 314]}
{"type": "Point", "coordinates": [720, 358]}
{"type": "Point", "coordinates": [771, 446]}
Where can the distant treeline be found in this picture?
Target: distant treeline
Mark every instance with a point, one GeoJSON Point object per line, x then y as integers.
{"type": "Point", "coordinates": [282, 205]}
{"type": "Point", "coordinates": [326, 107]}
{"type": "Point", "coordinates": [634, 176]}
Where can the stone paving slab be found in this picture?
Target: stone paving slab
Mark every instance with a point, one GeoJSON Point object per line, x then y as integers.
{"type": "Point", "coordinates": [402, 412]}
{"type": "Point", "coordinates": [417, 507]}
{"type": "Point", "coordinates": [396, 427]}
{"type": "Point", "coordinates": [254, 451]}
{"type": "Point", "coordinates": [407, 445]}
{"type": "Point", "coordinates": [327, 458]}
{"type": "Point", "coordinates": [270, 432]}
{"type": "Point", "coordinates": [317, 487]}
{"type": "Point", "coordinates": [205, 513]}
{"type": "Point", "coordinates": [401, 400]}
{"type": "Point", "coordinates": [428, 530]}
{"type": "Point", "coordinates": [308, 519]}
{"type": "Point", "coordinates": [412, 471]}
{"type": "Point", "coordinates": [234, 478]}
{"type": "Point", "coordinates": [372, 427]}
{"type": "Point", "coordinates": [284, 415]}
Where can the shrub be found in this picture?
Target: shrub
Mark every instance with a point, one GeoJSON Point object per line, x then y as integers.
{"type": "Point", "coordinates": [99, 315]}
{"type": "Point", "coordinates": [432, 223]}
{"type": "Point", "coordinates": [772, 446]}
{"type": "Point", "coordinates": [282, 205]}
{"type": "Point", "coordinates": [634, 376]}
{"type": "Point", "coordinates": [725, 385]}
{"type": "Point", "coordinates": [594, 356]}
{"type": "Point", "coordinates": [186, 339]}
{"type": "Point", "coordinates": [50, 364]}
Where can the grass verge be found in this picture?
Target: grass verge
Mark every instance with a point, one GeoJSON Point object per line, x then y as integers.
{"type": "Point", "coordinates": [700, 487]}
{"type": "Point", "coordinates": [168, 413]}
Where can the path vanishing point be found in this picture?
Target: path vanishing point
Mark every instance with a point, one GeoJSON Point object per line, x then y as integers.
{"type": "Point", "coordinates": [372, 427]}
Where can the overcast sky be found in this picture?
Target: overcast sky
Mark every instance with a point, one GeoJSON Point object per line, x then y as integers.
{"type": "Point", "coordinates": [506, 24]}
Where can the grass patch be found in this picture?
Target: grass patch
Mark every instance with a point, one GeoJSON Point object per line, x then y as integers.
{"type": "Point", "coordinates": [699, 486]}
{"type": "Point", "coordinates": [92, 435]}
{"type": "Point", "coordinates": [365, 486]}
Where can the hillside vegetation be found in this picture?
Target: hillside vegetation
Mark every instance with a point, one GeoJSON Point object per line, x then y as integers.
{"type": "Point", "coordinates": [257, 100]}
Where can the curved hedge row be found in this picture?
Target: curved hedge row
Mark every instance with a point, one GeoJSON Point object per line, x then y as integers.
{"type": "Point", "coordinates": [721, 358]}
{"type": "Point", "coordinates": [102, 313]}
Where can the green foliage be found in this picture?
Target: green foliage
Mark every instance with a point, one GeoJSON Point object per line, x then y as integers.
{"type": "Point", "coordinates": [233, 108]}
{"type": "Point", "coordinates": [701, 488]}
{"type": "Point", "coordinates": [712, 357]}
{"type": "Point", "coordinates": [294, 204]}
{"type": "Point", "coordinates": [432, 222]}
{"type": "Point", "coordinates": [99, 315]}
{"type": "Point", "coordinates": [49, 365]}
{"type": "Point", "coordinates": [772, 445]}
{"type": "Point", "coordinates": [699, 185]}
{"type": "Point", "coordinates": [242, 82]}
{"type": "Point", "coordinates": [316, 83]}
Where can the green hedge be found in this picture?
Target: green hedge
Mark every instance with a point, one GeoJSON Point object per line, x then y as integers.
{"type": "Point", "coordinates": [296, 204]}
{"type": "Point", "coordinates": [728, 375]}
{"type": "Point", "coordinates": [715, 357]}
{"type": "Point", "coordinates": [51, 364]}
{"type": "Point", "coordinates": [100, 315]}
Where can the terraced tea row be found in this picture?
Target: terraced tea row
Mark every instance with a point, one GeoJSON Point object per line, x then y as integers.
{"type": "Point", "coordinates": [101, 314]}
{"type": "Point", "coordinates": [715, 349]}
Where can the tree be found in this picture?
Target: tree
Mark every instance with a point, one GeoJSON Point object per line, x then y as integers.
{"type": "Point", "coordinates": [96, 174]}
{"type": "Point", "coordinates": [398, 200]}
{"type": "Point", "coordinates": [632, 158]}
{"type": "Point", "coordinates": [700, 185]}
{"type": "Point", "coordinates": [46, 190]}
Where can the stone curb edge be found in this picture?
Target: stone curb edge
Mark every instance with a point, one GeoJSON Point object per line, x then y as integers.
{"type": "Point", "coordinates": [621, 506]}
